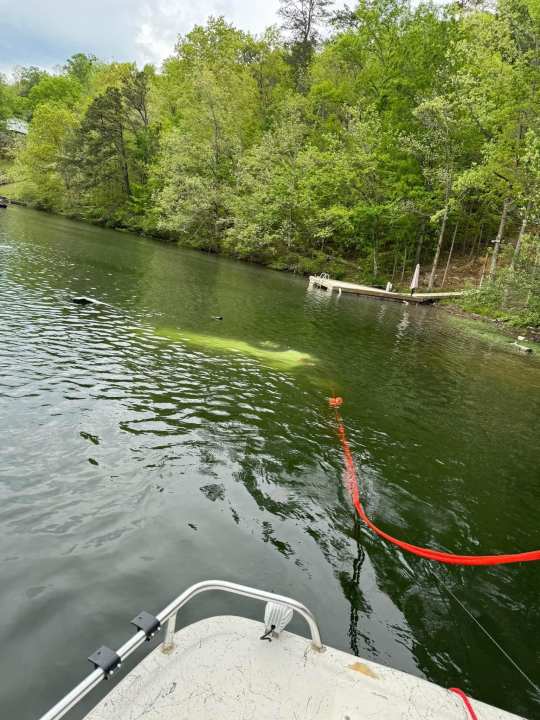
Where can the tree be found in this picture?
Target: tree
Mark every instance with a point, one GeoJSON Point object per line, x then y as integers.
{"type": "Point", "coordinates": [6, 101]}
{"type": "Point", "coordinates": [197, 165]}
{"type": "Point", "coordinates": [494, 86]}
{"type": "Point", "coordinates": [39, 165]}
{"type": "Point", "coordinates": [55, 89]}
{"type": "Point", "coordinates": [439, 146]}
{"type": "Point", "coordinates": [213, 115]}
{"type": "Point", "coordinates": [302, 20]}
{"type": "Point", "coordinates": [80, 67]}
{"type": "Point", "coordinates": [268, 214]}
{"type": "Point", "coordinates": [266, 60]}
{"type": "Point", "coordinates": [27, 77]}
{"type": "Point", "coordinates": [109, 155]}
{"type": "Point", "coordinates": [97, 159]}
{"type": "Point", "coordinates": [530, 196]}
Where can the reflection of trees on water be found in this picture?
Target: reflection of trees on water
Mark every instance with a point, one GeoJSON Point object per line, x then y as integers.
{"type": "Point", "coordinates": [445, 646]}
{"type": "Point", "coordinates": [351, 589]}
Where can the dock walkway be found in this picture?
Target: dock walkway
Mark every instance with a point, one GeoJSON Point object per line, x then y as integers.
{"type": "Point", "coordinates": [341, 286]}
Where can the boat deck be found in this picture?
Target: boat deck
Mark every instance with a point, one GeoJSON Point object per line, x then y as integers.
{"type": "Point", "coordinates": [347, 287]}
{"type": "Point", "coordinates": [219, 668]}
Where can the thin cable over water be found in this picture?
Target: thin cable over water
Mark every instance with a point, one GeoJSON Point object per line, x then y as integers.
{"type": "Point", "coordinates": [487, 633]}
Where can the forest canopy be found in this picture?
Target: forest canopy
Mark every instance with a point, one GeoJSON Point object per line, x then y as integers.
{"type": "Point", "coordinates": [357, 142]}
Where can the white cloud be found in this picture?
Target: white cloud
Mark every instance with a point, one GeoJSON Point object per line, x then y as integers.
{"type": "Point", "coordinates": [47, 33]}
{"type": "Point", "coordinates": [161, 21]}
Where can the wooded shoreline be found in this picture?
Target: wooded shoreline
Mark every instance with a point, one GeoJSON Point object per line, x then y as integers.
{"type": "Point", "coordinates": [356, 142]}
{"type": "Point", "coordinates": [531, 334]}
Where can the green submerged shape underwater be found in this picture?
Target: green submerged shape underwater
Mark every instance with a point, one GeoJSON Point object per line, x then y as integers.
{"type": "Point", "coordinates": [279, 359]}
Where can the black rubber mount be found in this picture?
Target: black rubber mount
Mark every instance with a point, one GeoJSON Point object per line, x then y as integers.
{"type": "Point", "coordinates": [148, 623]}
{"type": "Point", "coordinates": [106, 659]}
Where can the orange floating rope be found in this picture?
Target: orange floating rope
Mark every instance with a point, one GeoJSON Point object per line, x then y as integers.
{"type": "Point", "coordinates": [428, 553]}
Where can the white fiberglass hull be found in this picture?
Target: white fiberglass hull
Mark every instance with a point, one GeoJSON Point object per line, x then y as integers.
{"type": "Point", "coordinates": [219, 668]}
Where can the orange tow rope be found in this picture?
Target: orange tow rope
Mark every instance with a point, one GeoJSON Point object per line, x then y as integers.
{"type": "Point", "coordinates": [428, 553]}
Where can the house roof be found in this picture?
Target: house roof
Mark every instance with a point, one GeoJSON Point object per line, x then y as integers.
{"type": "Point", "coordinates": [17, 126]}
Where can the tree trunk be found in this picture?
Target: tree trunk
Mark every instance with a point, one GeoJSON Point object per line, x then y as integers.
{"type": "Point", "coordinates": [465, 231]}
{"type": "Point", "coordinates": [479, 242]}
{"type": "Point", "coordinates": [374, 244]}
{"type": "Point", "coordinates": [499, 238]}
{"type": "Point", "coordinates": [484, 270]}
{"type": "Point", "coordinates": [404, 264]}
{"type": "Point", "coordinates": [522, 230]}
{"type": "Point", "coordinates": [124, 162]}
{"type": "Point", "coordinates": [395, 266]}
{"type": "Point", "coordinates": [450, 254]}
{"type": "Point", "coordinates": [536, 259]}
{"type": "Point", "coordinates": [419, 247]}
{"type": "Point", "coordinates": [438, 251]}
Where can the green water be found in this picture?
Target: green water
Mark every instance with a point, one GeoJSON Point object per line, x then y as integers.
{"type": "Point", "coordinates": [147, 445]}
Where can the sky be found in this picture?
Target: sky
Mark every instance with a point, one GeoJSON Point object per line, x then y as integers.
{"type": "Point", "coordinates": [47, 32]}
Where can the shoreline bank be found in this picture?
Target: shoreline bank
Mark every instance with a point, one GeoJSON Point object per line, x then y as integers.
{"type": "Point", "coordinates": [531, 334]}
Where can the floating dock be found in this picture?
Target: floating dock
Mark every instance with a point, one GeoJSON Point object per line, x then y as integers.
{"type": "Point", "coordinates": [340, 286]}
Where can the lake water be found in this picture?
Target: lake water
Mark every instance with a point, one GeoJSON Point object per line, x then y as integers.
{"type": "Point", "coordinates": [146, 446]}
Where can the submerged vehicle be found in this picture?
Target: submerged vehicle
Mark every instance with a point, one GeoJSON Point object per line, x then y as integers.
{"type": "Point", "coordinates": [233, 667]}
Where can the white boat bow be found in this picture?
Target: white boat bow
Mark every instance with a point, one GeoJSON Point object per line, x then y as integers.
{"type": "Point", "coordinates": [221, 668]}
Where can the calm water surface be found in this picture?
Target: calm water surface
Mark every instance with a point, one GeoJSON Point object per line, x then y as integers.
{"type": "Point", "coordinates": [135, 463]}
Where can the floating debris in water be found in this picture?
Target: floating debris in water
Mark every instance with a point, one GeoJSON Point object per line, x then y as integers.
{"type": "Point", "coordinates": [213, 492]}
{"type": "Point", "coordinates": [88, 436]}
{"type": "Point", "coordinates": [279, 359]}
{"type": "Point", "coordinates": [83, 300]}
{"type": "Point", "coordinates": [192, 526]}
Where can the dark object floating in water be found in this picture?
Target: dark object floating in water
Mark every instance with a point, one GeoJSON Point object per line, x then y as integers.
{"type": "Point", "coordinates": [159, 488]}
{"type": "Point", "coordinates": [192, 526]}
{"type": "Point", "coordinates": [88, 436]}
{"type": "Point", "coordinates": [213, 492]}
{"type": "Point", "coordinates": [217, 317]}
{"type": "Point", "coordinates": [3, 204]}
{"type": "Point", "coordinates": [82, 300]}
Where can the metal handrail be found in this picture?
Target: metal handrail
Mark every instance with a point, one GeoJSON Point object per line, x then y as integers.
{"type": "Point", "coordinates": [168, 615]}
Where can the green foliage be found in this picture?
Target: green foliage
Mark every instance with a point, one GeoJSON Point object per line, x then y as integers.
{"type": "Point", "coordinates": [39, 165]}
{"type": "Point", "coordinates": [352, 149]}
{"type": "Point", "coordinates": [6, 102]}
{"type": "Point", "coordinates": [213, 116]}
{"type": "Point", "coordinates": [26, 78]}
{"type": "Point", "coordinates": [301, 21]}
{"type": "Point", "coordinates": [514, 295]}
{"type": "Point", "coordinates": [269, 215]}
{"type": "Point", "coordinates": [80, 67]}
{"type": "Point", "coordinates": [55, 89]}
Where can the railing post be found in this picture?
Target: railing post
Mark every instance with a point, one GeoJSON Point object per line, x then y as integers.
{"type": "Point", "coordinates": [168, 616]}
{"type": "Point", "coordinates": [168, 643]}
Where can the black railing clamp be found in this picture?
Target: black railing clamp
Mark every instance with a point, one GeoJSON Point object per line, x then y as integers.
{"type": "Point", "coordinates": [148, 623]}
{"type": "Point", "coordinates": [106, 659]}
